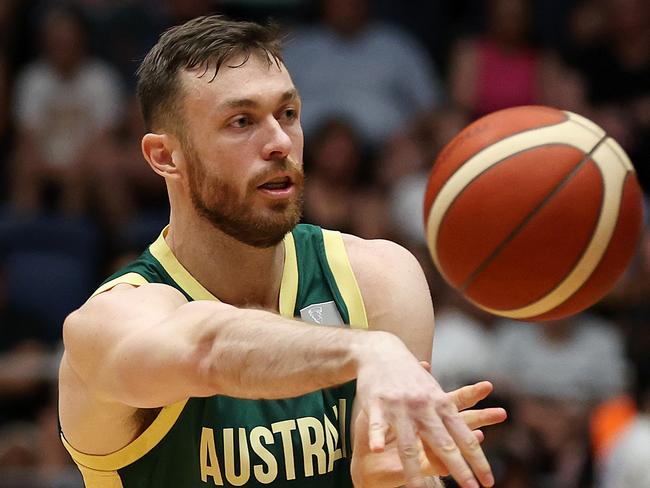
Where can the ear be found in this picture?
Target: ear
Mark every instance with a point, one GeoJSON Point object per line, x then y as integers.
{"type": "Point", "coordinates": [161, 151]}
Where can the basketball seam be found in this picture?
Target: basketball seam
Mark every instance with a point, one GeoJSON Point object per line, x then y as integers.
{"type": "Point", "coordinates": [517, 230]}
{"type": "Point", "coordinates": [492, 166]}
{"type": "Point", "coordinates": [567, 118]}
{"type": "Point", "coordinates": [581, 287]}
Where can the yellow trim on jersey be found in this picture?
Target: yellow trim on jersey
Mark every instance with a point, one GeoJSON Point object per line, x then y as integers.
{"type": "Point", "coordinates": [100, 479]}
{"type": "Point", "coordinates": [288, 288]}
{"type": "Point", "coordinates": [100, 471]}
{"type": "Point", "coordinates": [289, 284]}
{"type": "Point", "coordinates": [136, 449]}
{"type": "Point", "coordinates": [337, 257]}
{"type": "Point", "coordinates": [134, 279]}
{"type": "Point", "coordinates": [161, 251]}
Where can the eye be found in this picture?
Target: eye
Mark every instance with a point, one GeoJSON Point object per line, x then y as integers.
{"type": "Point", "coordinates": [290, 114]}
{"type": "Point", "coordinates": [240, 122]}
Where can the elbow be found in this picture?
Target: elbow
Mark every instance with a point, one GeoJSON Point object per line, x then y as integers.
{"type": "Point", "coordinates": [205, 360]}
{"type": "Point", "coordinates": [204, 366]}
{"type": "Point", "coordinates": [69, 327]}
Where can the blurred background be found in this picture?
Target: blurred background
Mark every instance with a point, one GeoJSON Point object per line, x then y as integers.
{"type": "Point", "coordinates": [385, 84]}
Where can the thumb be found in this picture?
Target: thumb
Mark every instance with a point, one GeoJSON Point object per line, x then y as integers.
{"type": "Point", "coordinates": [426, 365]}
{"type": "Point", "coordinates": [361, 440]}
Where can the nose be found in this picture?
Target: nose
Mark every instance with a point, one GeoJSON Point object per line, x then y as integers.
{"type": "Point", "coordinates": [277, 144]}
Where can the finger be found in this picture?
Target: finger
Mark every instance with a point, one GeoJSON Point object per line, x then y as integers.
{"type": "Point", "coordinates": [432, 466]}
{"type": "Point", "coordinates": [426, 365]}
{"type": "Point", "coordinates": [377, 428]}
{"type": "Point", "coordinates": [444, 447]}
{"type": "Point", "coordinates": [468, 396]}
{"type": "Point", "coordinates": [469, 446]}
{"type": "Point", "coordinates": [481, 418]}
{"type": "Point", "coordinates": [409, 448]}
{"type": "Point", "coordinates": [359, 433]}
{"type": "Point", "coordinates": [480, 436]}
{"type": "Point", "coordinates": [436, 466]}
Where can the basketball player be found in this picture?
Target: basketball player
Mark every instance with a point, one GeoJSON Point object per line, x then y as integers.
{"type": "Point", "coordinates": [187, 368]}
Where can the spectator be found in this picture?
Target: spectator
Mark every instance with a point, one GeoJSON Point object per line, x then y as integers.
{"type": "Point", "coordinates": [67, 103]}
{"type": "Point", "coordinates": [370, 73]}
{"type": "Point", "coordinates": [499, 68]}
{"type": "Point", "coordinates": [464, 346]}
{"type": "Point", "coordinates": [615, 67]}
{"type": "Point", "coordinates": [405, 165]}
{"type": "Point", "coordinates": [556, 372]}
{"type": "Point", "coordinates": [134, 27]}
{"type": "Point", "coordinates": [338, 182]}
{"type": "Point", "coordinates": [26, 354]}
{"type": "Point", "coordinates": [579, 358]}
{"type": "Point", "coordinates": [628, 466]}
{"type": "Point", "coordinates": [130, 194]}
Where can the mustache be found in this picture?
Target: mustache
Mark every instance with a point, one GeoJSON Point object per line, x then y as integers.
{"type": "Point", "coordinates": [287, 165]}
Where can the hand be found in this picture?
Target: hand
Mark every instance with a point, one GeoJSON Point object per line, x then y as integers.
{"type": "Point", "coordinates": [385, 470]}
{"type": "Point", "coordinates": [398, 396]}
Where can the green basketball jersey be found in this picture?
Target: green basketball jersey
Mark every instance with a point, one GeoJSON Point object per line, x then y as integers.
{"type": "Point", "coordinates": [224, 441]}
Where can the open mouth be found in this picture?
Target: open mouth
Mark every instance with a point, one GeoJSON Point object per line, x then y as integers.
{"type": "Point", "coordinates": [277, 184]}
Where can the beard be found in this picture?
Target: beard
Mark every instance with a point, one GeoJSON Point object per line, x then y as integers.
{"type": "Point", "coordinates": [220, 203]}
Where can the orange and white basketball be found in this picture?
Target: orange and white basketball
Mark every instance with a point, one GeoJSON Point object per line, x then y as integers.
{"type": "Point", "coordinates": [532, 213]}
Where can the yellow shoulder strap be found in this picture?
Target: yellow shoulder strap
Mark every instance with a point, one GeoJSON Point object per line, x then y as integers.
{"type": "Point", "coordinates": [337, 257]}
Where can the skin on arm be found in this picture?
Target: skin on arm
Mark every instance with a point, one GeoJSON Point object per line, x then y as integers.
{"type": "Point", "coordinates": [407, 401]}
{"type": "Point", "coordinates": [395, 292]}
{"type": "Point", "coordinates": [147, 347]}
{"type": "Point", "coordinates": [137, 348]}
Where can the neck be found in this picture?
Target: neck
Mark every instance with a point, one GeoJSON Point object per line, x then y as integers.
{"type": "Point", "coordinates": [235, 273]}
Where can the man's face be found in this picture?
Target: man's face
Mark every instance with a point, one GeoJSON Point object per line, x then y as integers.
{"type": "Point", "coordinates": [243, 149]}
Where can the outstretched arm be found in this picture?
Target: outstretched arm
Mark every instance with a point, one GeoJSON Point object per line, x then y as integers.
{"type": "Point", "coordinates": [148, 347]}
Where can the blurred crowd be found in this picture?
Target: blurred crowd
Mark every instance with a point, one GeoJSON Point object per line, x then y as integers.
{"type": "Point", "coordinates": [385, 84]}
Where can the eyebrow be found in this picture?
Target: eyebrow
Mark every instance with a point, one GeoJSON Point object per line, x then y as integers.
{"type": "Point", "coordinates": [249, 102]}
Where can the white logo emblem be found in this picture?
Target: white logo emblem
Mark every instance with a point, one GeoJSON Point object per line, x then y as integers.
{"type": "Point", "coordinates": [316, 314]}
{"type": "Point", "coordinates": [325, 313]}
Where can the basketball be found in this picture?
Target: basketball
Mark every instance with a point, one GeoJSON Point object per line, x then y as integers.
{"type": "Point", "coordinates": [532, 213]}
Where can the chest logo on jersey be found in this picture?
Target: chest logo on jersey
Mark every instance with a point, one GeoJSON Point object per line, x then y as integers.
{"type": "Point", "coordinates": [325, 313]}
{"type": "Point", "coordinates": [306, 446]}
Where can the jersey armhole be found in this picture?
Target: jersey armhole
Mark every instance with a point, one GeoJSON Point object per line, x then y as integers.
{"type": "Point", "coordinates": [133, 451]}
{"type": "Point", "coordinates": [132, 278]}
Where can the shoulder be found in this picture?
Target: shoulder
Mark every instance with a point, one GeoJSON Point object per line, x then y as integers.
{"type": "Point", "coordinates": [97, 73]}
{"type": "Point", "coordinates": [374, 256]}
{"type": "Point", "coordinates": [394, 290]}
{"type": "Point", "coordinates": [389, 32]}
{"type": "Point", "coordinates": [36, 73]}
{"type": "Point", "coordinates": [386, 272]}
{"type": "Point", "coordinates": [97, 68]}
{"type": "Point", "coordinates": [599, 333]}
{"type": "Point", "coordinates": [105, 319]}
{"type": "Point", "coordinates": [122, 294]}
{"type": "Point", "coordinates": [122, 304]}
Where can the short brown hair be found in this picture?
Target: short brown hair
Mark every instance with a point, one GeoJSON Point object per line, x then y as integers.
{"type": "Point", "coordinates": [201, 42]}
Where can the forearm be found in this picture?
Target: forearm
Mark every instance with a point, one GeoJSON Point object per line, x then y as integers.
{"type": "Point", "coordinates": [258, 354]}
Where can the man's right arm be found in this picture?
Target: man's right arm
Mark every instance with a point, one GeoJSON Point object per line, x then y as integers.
{"type": "Point", "coordinates": [147, 347]}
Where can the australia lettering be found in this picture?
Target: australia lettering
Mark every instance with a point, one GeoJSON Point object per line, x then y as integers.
{"type": "Point", "coordinates": [322, 444]}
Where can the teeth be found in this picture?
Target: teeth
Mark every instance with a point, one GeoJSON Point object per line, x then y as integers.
{"type": "Point", "coordinates": [275, 186]}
